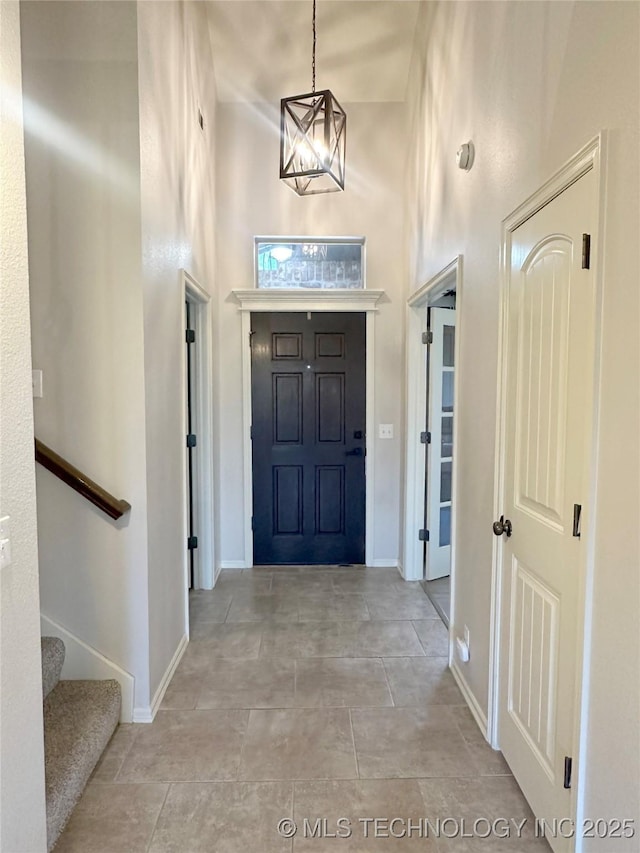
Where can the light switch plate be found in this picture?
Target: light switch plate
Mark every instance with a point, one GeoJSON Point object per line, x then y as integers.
{"type": "Point", "coordinates": [36, 382]}
{"type": "Point", "coordinates": [5, 543]}
{"type": "Point", "coordinates": [385, 431]}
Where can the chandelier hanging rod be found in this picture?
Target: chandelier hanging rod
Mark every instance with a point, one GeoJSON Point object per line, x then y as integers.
{"type": "Point", "coordinates": [313, 52]}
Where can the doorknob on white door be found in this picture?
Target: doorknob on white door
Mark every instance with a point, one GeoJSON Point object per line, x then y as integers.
{"type": "Point", "coordinates": [503, 525]}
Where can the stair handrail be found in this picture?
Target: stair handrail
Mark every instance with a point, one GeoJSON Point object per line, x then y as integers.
{"type": "Point", "coordinates": [72, 476]}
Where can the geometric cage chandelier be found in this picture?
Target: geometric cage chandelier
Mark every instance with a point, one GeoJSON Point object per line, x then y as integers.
{"type": "Point", "coordinates": [312, 138]}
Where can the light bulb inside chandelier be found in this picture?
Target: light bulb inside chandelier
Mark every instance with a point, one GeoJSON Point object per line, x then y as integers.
{"type": "Point", "coordinates": [312, 138]}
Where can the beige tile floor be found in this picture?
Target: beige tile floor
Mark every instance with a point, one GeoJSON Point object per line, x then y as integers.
{"type": "Point", "coordinates": [439, 594]}
{"type": "Point", "coordinates": [313, 694]}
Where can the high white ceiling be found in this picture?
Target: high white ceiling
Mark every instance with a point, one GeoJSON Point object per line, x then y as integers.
{"type": "Point", "coordinates": [262, 48]}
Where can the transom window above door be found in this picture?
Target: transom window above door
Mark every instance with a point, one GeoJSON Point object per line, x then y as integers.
{"type": "Point", "coordinates": [315, 263]}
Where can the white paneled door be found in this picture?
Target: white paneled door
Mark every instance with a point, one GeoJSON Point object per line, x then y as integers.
{"type": "Point", "coordinates": [549, 353]}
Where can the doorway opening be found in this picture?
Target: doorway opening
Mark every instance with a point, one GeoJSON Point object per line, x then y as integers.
{"type": "Point", "coordinates": [433, 347]}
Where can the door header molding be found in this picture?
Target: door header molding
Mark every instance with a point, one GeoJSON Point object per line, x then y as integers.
{"type": "Point", "coordinates": [439, 283]}
{"type": "Point", "coordinates": [307, 300]}
{"type": "Point", "coordinates": [582, 162]}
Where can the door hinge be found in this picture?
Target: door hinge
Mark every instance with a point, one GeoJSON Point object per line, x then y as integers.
{"type": "Point", "coordinates": [252, 524]}
{"type": "Point", "coordinates": [191, 440]}
{"type": "Point", "coordinates": [577, 513]}
{"type": "Point", "coordinates": [427, 337]}
{"type": "Point", "coordinates": [586, 251]}
{"type": "Point", "coordinates": [423, 535]}
{"type": "Point", "coordinates": [190, 336]}
{"type": "Point", "coordinates": [568, 762]}
{"type": "Point", "coordinates": [425, 438]}
{"type": "Point", "coordinates": [192, 543]}
{"type": "Point", "coordinates": [251, 432]}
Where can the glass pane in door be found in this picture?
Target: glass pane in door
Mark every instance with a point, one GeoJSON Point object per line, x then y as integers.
{"type": "Point", "coordinates": [447, 436]}
{"type": "Point", "coordinates": [445, 482]}
{"type": "Point", "coordinates": [447, 391]}
{"type": "Point", "coordinates": [448, 345]}
{"type": "Point", "coordinates": [445, 526]}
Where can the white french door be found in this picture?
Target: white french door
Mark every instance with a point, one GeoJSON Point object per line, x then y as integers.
{"type": "Point", "coordinates": [440, 449]}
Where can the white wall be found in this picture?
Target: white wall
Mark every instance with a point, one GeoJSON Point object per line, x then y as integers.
{"type": "Point", "coordinates": [178, 230]}
{"type": "Point", "coordinates": [531, 83]}
{"type": "Point", "coordinates": [251, 200]}
{"type": "Point", "coordinates": [120, 182]}
{"type": "Point", "coordinates": [83, 198]}
{"type": "Point", "coordinates": [21, 743]}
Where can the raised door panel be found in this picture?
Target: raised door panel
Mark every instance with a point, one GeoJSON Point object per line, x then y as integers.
{"type": "Point", "coordinates": [330, 405]}
{"type": "Point", "coordinates": [287, 500]}
{"type": "Point", "coordinates": [330, 500]}
{"type": "Point", "coordinates": [542, 382]}
{"type": "Point", "coordinates": [287, 408]}
{"type": "Point", "coordinates": [533, 663]}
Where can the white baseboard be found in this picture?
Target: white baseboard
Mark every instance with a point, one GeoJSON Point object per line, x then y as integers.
{"type": "Point", "coordinates": [142, 715]}
{"type": "Point", "coordinates": [232, 564]}
{"type": "Point", "coordinates": [469, 698]}
{"type": "Point", "coordinates": [404, 575]}
{"type": "Point", "coordinates": [216, 574]}
{"type": "Point", "coordinates": [147, 715]}
{"type": "Point", "coordinates": [84, 662]}
{"type": "Point", "coordinates": [388, 563]}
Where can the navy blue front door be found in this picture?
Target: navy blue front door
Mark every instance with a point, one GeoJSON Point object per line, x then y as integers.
{"type": "Point", "coordinates": [308, 380]}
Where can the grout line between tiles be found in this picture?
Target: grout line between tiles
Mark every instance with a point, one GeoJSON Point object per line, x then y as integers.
{"type": "Point", "coordinates": [155, 825]}
{"type": "Point", "coordinates": [117, 773]}
{"type": "Point", "coordinates": [353, 741]}
{"type": "Point", "coordinates": [424, 654]}
{"type": "Point", "coordinates": [244, 740]}
{"type": "Point", "coordinates": [413, 621]}
{"type": "Point", "coordinates": [386, 676]}
{"type": "Point", "coordinates": [226, 615]}
{"type": "Point", "coordinates": [226, 612]}
{"type": "Point", "coordinates": [126, 754]}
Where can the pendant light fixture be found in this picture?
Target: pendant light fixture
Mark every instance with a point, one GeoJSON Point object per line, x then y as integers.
{"type": "Point", "coordinates": [312, 138]}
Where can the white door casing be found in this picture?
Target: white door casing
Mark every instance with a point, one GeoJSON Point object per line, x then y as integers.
{"type": "Point", "coordinates": [440, 451]}
{"type": "Point", "coordinates": [308, 300]}
{"type": "Point", "coordinates": [202, 382]}
{"type": "Point", "coordinates": [545, 464]}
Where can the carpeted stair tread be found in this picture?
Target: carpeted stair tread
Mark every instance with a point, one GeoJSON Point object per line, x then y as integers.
{"type": "Point", "coordinates": [79, 719]}
{"type": "Point", "coordinates": [52, 650]}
